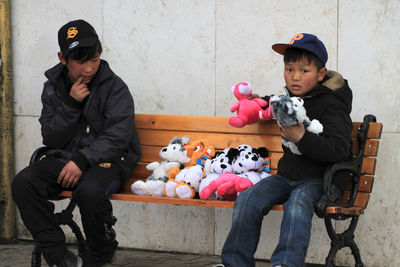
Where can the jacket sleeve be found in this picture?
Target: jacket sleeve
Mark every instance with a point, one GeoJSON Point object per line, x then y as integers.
{"type": "Point", "coordinates": [334, 143]}
{"type": "Point", "coordinates": [59, 117]}
{"type": "Point", "coordinates": [118, 127]}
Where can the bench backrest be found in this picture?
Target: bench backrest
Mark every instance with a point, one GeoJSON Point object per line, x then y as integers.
{"type": "Point", "coordinates": [155, 131]}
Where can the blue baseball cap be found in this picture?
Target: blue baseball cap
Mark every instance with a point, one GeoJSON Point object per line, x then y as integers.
{"type": "Point", "coordinates": [305, 41]}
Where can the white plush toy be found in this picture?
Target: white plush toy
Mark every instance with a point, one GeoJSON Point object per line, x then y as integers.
{"type": "Point", "coordinates": [249, 159]}
{"type": "Point", "coordinates": [173, 155]}
{"type": "Point", "coordinates": [289, 111]}
{"type": "Point", "coordinates": [220, 163]}
{"type": "Point", "coordinates": [250, 163]}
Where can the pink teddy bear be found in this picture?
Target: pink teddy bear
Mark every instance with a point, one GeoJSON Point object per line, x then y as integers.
{"type": "Point", "coordinates": [248, 110]}
{"type": "Point", "coordinates": [227, 184]}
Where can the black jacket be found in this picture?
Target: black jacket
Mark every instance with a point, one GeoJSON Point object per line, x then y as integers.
{"type": "Point", "coordinates": [98, 130]}
{"type": "Point", "coordinates": [330, 103]}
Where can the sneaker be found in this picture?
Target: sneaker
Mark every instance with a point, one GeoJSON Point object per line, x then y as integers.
{"type": "Point", "coordinates": [218, 265]}
{"type": "Point", "coordinates": [70, 260]}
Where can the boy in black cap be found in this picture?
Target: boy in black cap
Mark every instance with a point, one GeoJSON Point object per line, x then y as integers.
{"type": "Point", "coordinates": [298, 183]}
{"type": "Point", "coordinates": [88, 125]}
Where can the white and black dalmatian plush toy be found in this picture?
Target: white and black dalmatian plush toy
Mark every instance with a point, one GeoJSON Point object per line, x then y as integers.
{"type": "Point", "coordinates": [213, 168]}
{"type": "Point", "coordinates": [289, 111]}
{"type": "Point", "coordinates": [249, 159]}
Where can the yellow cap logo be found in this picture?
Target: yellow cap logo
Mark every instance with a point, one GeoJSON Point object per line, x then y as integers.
{"type": "Point", "coordinates": [72, 32]}
{"type": "Point", "coordinates": [298, 36]}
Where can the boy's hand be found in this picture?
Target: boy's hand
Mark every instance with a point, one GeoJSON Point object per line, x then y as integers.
{"type": "Point", "coordinates": [293, 133]}
{"type": "Point", "coordinates": [69, 175]}
{"type": "Point", "coordinates": [253, 96]}
{"type": "Point", "coordinates": [79, 90]}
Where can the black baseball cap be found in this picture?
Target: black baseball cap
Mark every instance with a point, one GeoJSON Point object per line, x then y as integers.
{"type": "Point", "coordinates": [306, 41]}
{"type": "Point", "coordinates": [75, 34]}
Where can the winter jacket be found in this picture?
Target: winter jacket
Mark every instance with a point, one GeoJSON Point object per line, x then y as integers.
{"type": "Point", "coordinates": [330, 103]}
{"type": "Point", "coordinates": [101, 129]}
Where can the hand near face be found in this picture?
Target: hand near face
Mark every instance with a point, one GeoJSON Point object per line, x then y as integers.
{"type": "Point", "coordinates": [69, 175]}
{"type": "Point", "coordinates": [293, 133]}
{"type": "Point", "coordinates": [79, 90]}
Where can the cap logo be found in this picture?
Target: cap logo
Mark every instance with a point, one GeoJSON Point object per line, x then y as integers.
{"type": "Point", "coordinates": [73, 44]}
{"type": "Point", "coordinates": [298, 36]}
{"type": "Point", "coordinates": [72, 32]}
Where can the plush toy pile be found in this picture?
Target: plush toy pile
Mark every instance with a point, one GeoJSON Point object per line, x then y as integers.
{"type": "Point", "coordinates": [289, 111]}
{"type": "Point", "coordinates": [247, 167]}
{"type": "Point", "coordinates": [248, 110]}
{"type": "Point", "coordinates": [191, 168]}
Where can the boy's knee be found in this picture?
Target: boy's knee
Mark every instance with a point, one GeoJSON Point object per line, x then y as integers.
{"type": "Point", "coordinates": [87, 196]}
{"type": "Point", "coordinates": [19, 184]}
{"type": "Point", "coordinates": [247, 203]}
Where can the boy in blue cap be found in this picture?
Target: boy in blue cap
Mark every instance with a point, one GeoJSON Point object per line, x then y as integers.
{"type": "Point", "coordinates": [88, 125]}
{"type": "Point", "coordinates": [298, 183]}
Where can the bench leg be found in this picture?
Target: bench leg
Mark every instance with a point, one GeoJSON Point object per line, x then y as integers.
{"type": "Point", "coordinates": [36, 259]}
{"type": "Point", "coordinates": [339, 241]}
{"type": "Point", "coordinates": [64, 217]}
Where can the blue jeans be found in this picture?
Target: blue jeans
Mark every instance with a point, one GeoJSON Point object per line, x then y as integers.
{"type": "Point", "coordinates": [298, 198]}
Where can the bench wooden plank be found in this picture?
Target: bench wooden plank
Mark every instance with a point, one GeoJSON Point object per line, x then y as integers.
{"type": "Point", "coordinates": [368, 166]}
{"type": "Point", "coordinates": [374, 130]}
{"type": "Point", "coordinates": [361, 200]}
{"type": "Point", "coordinates": [346, 211]}
{"type": "Point", "coordinates": [218, 140]}
{"type": "Point", "coordinates": [365, 184]}
{"type": "Point", "coordinates": [201, 124]}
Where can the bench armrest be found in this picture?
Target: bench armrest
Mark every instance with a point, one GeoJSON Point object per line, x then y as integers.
{"type": "Point", "coordinates": [331, 192]}
{"type": "Point", "coordinates": [38, 154]}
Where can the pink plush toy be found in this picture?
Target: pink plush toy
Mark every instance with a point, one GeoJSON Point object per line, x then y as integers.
{"type": "Point", "coordinates": [228, 185]}
{"type": "Point", "coordinates": [248, 111]}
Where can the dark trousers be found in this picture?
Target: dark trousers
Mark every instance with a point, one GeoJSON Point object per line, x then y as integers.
{"type": "Point", "coordinates": [34, 185]}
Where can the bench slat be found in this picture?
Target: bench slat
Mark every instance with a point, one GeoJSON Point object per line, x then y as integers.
{"type": "Point", "coordinates": [374, 130]}
{"type": "Point", "coordinates": [204, 203]}
{"type": "Point", "coordinates": [218, 140]}
{"type": "Point", "coordinates": [361, 200]}
{"type": "Point", "coordinates": [174, 201]}
{"type": "Point", "coordinates": [201, 124]}
{"type": "Point", "coordinates": [365, 184]}
{"type": "Point", "coordinates": [347, 211]}
{"type": "Point", "coordinates": [368, 166]}
{"type": "Point", "coordinates": [371, 147]}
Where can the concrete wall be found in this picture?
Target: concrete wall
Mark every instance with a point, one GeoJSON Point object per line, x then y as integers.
{"type": "Point", "coordinates": [182, 57]}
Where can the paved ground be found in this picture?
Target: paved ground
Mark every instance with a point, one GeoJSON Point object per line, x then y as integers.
{"type": "Point", "coordinates": [19, 255]}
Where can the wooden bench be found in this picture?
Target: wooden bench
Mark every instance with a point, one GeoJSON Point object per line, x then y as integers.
{"type": "Point", "coordinates": [156, 131]}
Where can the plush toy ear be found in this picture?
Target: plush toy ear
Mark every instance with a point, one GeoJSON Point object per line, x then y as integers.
{"type": "Point", "coordinates": [217, 154]}
{"type": "Point", "coordinates": [262, 151]}
{"type": "Point", "coordinates": [232, 154]}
